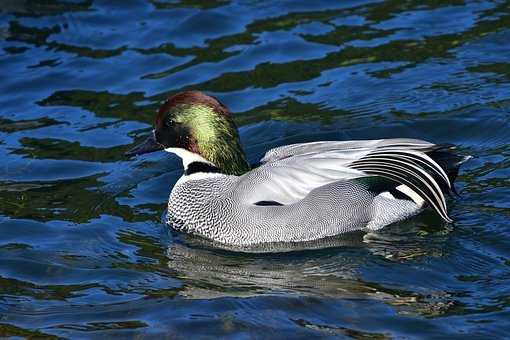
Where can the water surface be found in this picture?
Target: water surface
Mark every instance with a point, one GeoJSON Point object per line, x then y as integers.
{"type": "Point", "coordinates": [83, 250]}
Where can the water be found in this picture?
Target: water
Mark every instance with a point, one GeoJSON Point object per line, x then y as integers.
{"type": "Point", "coordinates": [83, 250]}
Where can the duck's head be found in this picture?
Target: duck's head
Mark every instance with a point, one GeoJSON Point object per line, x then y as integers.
{"type": "Point", "coordinates": [198, 128]}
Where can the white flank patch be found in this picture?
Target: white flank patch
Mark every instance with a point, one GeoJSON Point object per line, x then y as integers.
{"type": "Point", "coordinates": [387, 194]}
{"type": "Point", "coordinates": [411, 194]}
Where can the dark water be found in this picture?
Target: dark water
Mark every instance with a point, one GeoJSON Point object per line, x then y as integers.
{"type": "Point", "coordinates": [83, 252]}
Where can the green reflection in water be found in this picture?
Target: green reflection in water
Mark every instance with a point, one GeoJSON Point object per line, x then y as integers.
{"type": "Point", "coordinates": [502, 69]}
{"type": "Point", "coordinates": [7, 330]}
{"type": "Point", "coordinates": [200, 4]}
{"type": "Point", "coordinates": [7, 125]}
{"type": "Point", "coordinates": [50, 148]}
{"type": "Point", "coordinates": [37, 8]}
{"type": "Point", "coordinates": [77, 200]}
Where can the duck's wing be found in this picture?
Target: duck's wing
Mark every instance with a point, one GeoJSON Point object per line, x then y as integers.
{"type": "Point", "coordinates": [347, 146]}
{"type": "Point", "coordinates": [290, 172]}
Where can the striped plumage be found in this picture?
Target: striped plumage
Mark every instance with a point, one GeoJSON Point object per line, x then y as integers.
{"type": "Point", "coordinates": [302, 192]}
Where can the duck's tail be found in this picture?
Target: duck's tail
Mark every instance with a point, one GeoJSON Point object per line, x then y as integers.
{"type": "Point", "coordinates": [424, 175]}
{"type": "Point", "coordinates": [444, 155]}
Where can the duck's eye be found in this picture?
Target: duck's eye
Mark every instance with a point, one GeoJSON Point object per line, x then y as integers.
{"type": "Point", "coordinates": [169, 122]}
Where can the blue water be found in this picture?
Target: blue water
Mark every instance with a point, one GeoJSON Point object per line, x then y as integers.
{"type": "Point", "coordinates": [83, 251]}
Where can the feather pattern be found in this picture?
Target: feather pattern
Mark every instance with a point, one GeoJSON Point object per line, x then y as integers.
{"type": "Point", "coordinates": [346, 146]}
{"type": "Point", "coordinates": [309, 191]}
{"type": "Point", "coordinates": [291, 171]}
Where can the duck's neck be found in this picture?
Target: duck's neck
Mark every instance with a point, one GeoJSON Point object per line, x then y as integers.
{"type": "Point", "coordinates": [227, 155]}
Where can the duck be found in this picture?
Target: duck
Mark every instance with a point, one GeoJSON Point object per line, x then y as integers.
{"type": "Point", "coordinates": [299, 192]}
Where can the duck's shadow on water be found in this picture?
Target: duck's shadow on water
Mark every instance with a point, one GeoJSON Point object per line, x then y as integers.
{"type": "Point", "coordinates": [328, 268]}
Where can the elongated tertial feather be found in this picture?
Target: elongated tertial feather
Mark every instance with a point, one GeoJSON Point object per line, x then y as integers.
{"type": "Point", "coordinates": [412, 169]}
{"type": "Point", "coordinates": [418, 157]}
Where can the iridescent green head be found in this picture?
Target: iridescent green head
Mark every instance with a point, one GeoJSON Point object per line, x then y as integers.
{"type": "Point", "coordinates": [200, 124]}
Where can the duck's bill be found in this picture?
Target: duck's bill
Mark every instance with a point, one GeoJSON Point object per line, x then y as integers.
{"type": "Point", "coordinates": [149, 145]}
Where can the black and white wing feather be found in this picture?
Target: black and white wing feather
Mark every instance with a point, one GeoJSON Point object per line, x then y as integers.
{"type": "Point", "coordinates": [414, 169]}
{"type": "Point", "coordinates": [290, 172]}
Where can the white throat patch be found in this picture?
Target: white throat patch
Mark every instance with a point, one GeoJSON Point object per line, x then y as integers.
{"type": "Point", "coordinates": [187, 157]}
